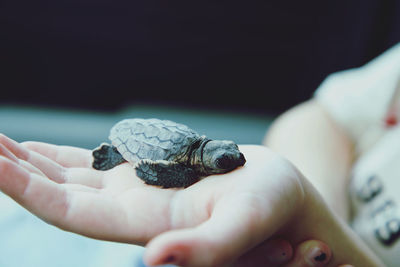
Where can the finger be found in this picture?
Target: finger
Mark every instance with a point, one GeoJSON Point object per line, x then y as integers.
{"type": "Point", "coordinates": [66, 156]}
{"type": "Point", "coordinates": [6, 153]}
{"type": "Point", "coordinates": [80, 188]}
{"type": "Point", "coordinates": [61, 174]}
{"type": "Point", "coordinates": [310, 253]}
{"type": "Point", "coordinates": [83, 176]}
{"type": "Point", "coordinates": [37, 194]}
{"type": "Point", "coordinates": [51, 168]}
{"type": "Point", "coordinates": [87, 211]}
{"type": "Point", "coordinates": [215, 242]}
{"type": "Point", "coordinates": [79, 210]}
{"type": "Point", "coordinates": [14, 147]}
{"type": "Point", "coordinates": [273, 252]}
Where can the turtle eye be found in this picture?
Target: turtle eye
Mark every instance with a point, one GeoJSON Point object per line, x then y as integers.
{"type": "Point", "coordinates": [224, 162]}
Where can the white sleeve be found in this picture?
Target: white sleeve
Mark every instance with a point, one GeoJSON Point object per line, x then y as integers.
{"type": "Point", "coordinates": [358, 98]}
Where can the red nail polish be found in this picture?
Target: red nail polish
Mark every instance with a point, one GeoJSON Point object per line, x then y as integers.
{"type": "Point", "coordinates": [316, 256]}
{"type": "Point", "coordinates": [321, 257]}
{"type": "Point", "coordinates": [172, 258]}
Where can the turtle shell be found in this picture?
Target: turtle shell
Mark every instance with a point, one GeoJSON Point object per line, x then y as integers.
{"type": "Point", "coordinates": [154, 139]}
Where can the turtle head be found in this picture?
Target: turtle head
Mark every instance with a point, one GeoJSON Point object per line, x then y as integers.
{"type": "Point", "coordinates": [221, 156]}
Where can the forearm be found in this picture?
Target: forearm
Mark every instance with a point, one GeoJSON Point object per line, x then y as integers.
{"type": "Point", "coordinates": [308, 137]}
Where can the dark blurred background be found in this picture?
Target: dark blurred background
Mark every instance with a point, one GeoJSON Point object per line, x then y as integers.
{"type": "Point", "coordinates": [256, 56]}
{"type": "Point", "coordinates": [260, 55]}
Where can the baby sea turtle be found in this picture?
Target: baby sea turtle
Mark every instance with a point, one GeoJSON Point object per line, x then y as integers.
{"type": "Point", "coordinates": [165, 153]}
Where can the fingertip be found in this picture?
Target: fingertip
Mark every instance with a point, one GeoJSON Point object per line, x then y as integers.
{"type": "Point", "coordinates": [167, 248]}
{"type": "Point", "coordinates": [317, 253]}
{"type": "Point", "coordinates": [312, 253]}
{"type": "Point", "coordinates": [278, 251]}
{"type": "Point", "coordinates": [186, 247]}
{"type": "Point", "coordinates": [167, 258]}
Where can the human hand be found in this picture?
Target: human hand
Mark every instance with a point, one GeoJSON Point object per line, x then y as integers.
{"type": "Point", "coordinates": [216, 221]}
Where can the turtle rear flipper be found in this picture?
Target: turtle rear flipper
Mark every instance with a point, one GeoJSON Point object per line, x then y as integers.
{"type": "Point", "coordinates": [106, 157]}
{"type": "Point", "coordinates": [166, 174]}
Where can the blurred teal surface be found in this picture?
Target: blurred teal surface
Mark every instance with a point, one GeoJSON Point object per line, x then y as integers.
{"type": "Point", "coordinates": [89, 129]}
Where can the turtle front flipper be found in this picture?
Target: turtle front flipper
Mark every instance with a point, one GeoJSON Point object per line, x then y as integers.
{"type": "Point", "coordinates": [166, 174]}
{"type": "Point", "coordinates": [106, 157]}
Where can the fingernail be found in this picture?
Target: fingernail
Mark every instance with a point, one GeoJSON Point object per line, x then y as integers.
{"type": "Point", "coordinates": [172, 258]}
{"type": "Point", "coordinates": [316, 256]}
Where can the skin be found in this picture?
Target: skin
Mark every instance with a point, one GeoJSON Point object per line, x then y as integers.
{"type": "Point", "coordinates": [266, 199]}
{"type": "Point", "coordinates": [311, 139]}
{"type": "Point", "coordinates": [319, 147]}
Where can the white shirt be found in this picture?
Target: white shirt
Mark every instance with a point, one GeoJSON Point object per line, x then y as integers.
{"type": "Point", "coordinates": [366, 102]}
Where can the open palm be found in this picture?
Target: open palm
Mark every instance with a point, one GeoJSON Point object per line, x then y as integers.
{"type": "Point", "coordinates": [220, 216]}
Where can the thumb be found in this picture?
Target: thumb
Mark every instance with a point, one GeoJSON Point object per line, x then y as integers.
{"type": "Point", "coordinates": [233, 228]}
